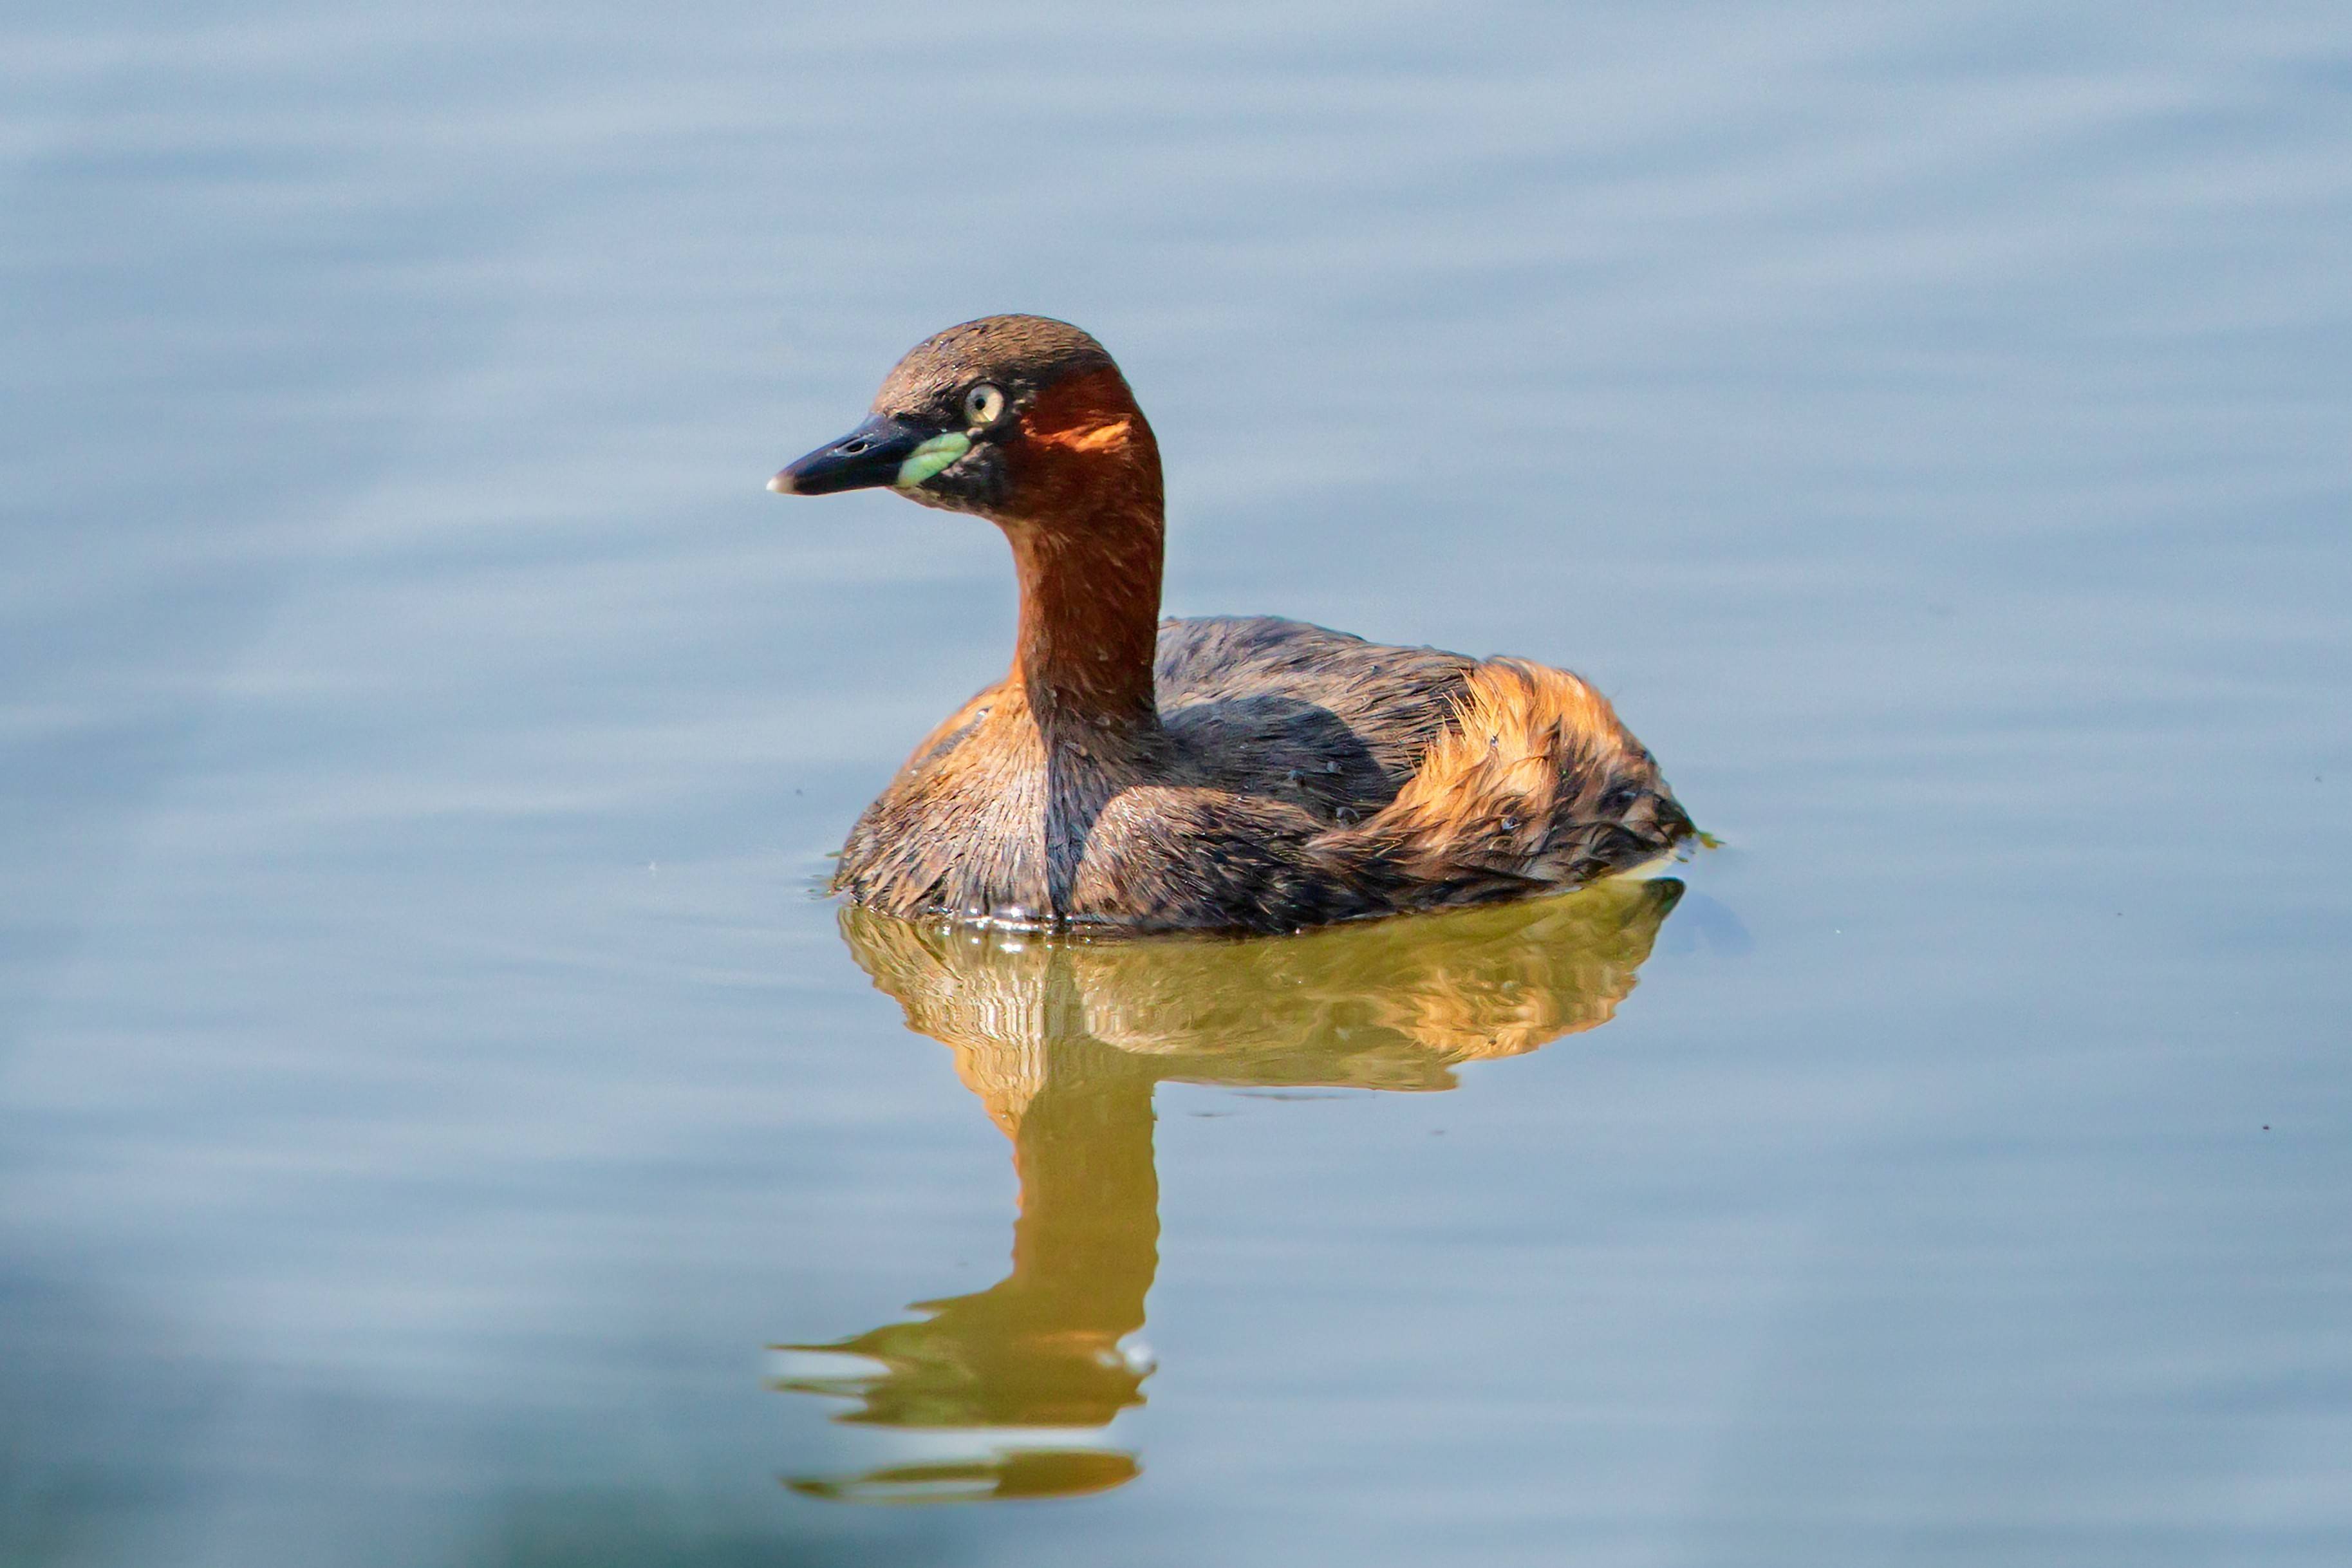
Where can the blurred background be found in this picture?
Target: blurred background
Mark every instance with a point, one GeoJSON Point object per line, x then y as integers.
{"type": "Point", "coordinates": [429, 1086]}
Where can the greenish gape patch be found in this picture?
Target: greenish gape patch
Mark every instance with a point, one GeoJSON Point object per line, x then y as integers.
{"type": "Point", "coordinates": [931, 457]}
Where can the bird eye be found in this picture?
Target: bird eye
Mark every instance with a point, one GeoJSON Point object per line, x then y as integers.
{"type": "Point", "coordinates": [983, 403]}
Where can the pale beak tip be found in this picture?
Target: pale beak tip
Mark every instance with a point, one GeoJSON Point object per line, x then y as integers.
{"type": "Point", "coordinates": [782, 484]}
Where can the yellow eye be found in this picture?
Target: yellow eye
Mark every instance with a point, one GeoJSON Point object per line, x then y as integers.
{"type": "Point", "coordinates": [982, 404]}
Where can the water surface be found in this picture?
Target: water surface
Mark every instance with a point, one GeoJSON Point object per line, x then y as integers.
{"type": "Point", "coordinates": [430, 1095]}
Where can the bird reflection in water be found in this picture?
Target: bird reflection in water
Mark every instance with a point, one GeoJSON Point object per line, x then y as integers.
{"type": "Point", "coordinates": [1063, 1040]}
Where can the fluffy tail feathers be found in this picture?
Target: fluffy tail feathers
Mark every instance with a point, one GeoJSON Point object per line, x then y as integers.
{"type": "Point", "coordinates": [1537, 783]}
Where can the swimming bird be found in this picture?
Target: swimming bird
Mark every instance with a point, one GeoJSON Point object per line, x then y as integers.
{"type": "Point", "coordinates": [1224, 774]}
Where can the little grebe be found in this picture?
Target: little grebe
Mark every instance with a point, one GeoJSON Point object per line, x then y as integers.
{"type": "Point", "coordinates": [1223, 774]}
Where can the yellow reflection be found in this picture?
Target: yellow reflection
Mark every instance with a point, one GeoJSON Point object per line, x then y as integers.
{"type": "Point", "coordinates": [1063, 1040]}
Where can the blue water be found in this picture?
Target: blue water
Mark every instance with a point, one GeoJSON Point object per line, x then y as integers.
{"type": "Point", "coordinates": [428, 1087]}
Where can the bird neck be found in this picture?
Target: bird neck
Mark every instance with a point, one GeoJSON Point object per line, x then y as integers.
{"type": "Point", "coordinates": [1089, 625]}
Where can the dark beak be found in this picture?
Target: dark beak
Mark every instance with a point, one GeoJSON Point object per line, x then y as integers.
{"type": "Point", "coordinates": [869, 456]}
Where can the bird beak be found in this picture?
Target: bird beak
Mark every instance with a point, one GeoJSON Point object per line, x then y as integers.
{"type": "Point", "coordinates": [882, 451]}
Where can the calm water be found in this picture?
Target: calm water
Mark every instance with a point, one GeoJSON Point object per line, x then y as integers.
{"type": "Point", "coordinates": [439, 1125]}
